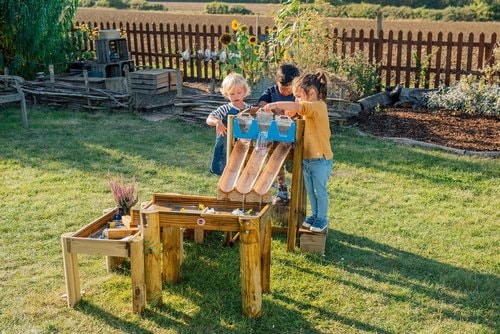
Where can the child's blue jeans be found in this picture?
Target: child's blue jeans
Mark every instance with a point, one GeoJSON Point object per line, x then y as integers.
{"type": "Point", "coordinates": [316, 175]}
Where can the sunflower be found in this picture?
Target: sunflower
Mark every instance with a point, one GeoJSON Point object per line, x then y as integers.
{"type": "Point", "coordinates": [252, 40]}
{"type": "Point", "coordinates": [235, 25]}
{"type": "Point", "coordinates": [244, 28]}
{"type": "Point", "coordinates": [225, 39]}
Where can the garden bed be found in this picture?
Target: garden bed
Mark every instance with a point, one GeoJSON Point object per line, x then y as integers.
{"type": "Point", "coordinates": [445, 128]}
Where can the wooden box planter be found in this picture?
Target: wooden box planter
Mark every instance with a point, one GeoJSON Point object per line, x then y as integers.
{"type": "Point", "coordinates": [80, 242]}
{"type": "Point", "coordinates": [166, 215]}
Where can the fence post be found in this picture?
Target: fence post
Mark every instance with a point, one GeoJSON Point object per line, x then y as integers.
{"type": "Point", "coordinates": [380, 17]}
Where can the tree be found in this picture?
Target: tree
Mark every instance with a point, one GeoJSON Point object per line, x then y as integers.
{"type": "Point", "coordinates": [34, 34]}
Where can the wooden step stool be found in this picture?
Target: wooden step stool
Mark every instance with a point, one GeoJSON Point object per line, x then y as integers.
{"type": "Point", "coordinates": [312, 242]}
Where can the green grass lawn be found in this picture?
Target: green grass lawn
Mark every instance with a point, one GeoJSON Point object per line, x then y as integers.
{"type": "Point", "coordinates": [413, 244]}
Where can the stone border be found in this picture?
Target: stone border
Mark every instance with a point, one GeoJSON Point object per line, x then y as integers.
{"type": "Point", "coordinates": [412, 142]}
{"type": "Point", "coordinates": [417, 143]}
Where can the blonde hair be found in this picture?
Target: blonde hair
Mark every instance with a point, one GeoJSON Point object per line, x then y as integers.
{"type": "Point", "coordinates": [232, 80]}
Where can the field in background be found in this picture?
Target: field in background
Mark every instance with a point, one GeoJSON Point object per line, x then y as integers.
{"type": "Point", "coordinates": [195, 17]}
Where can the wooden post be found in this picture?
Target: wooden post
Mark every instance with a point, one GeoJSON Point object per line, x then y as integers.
{"type": "Point", "coordinates": [380, 17]}
{"type": "Point", "coordinates": [86, 79]}
{"type": "Point", "coordinates": [51, 73]}
{"type": "Point", "coordinates": [171, 253]}
{"type": "Point", "coordinates": [137, 273]}
{"type": "Point", "coordinates": [71, 274]}
{"type": "Point", "coordinates": [250, 262]}
{"type": "Point", "coordinates": [265, 252]}
{"type": "Point", "coordinates": [178, 79]}
{"type": "Point", "coordinates": [199, 236]}
{"type": "Point", "coordinates": [24, 112]}
{"type": "Point", "coordinates": [296, 213]}
{"type": "Point", "coordinates": [150, 223]}
{"type": "Point", "coordinates": [112, 263]}
{"type": "Point", "coordinates": [212, 86]}
{"type": "Point", "coordinates": [230, 139]}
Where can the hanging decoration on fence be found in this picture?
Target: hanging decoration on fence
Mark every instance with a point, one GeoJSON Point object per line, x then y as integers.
{"type": "Point", "coordinates": [206, 55]}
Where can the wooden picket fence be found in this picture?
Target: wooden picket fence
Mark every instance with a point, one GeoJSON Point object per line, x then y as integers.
{"type": "Point", "coordinates": [411, 59]}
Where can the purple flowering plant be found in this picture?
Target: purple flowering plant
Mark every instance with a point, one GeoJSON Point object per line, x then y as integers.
{"type": "Point", "coordinates": [124, 193]}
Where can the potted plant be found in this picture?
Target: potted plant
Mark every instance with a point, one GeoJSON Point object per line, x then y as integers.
{"type": "Point", "coordinates": [124, 193]}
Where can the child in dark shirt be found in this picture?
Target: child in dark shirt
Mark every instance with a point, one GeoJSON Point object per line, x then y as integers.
{"type": "Point", "coordinates": [281, 91]}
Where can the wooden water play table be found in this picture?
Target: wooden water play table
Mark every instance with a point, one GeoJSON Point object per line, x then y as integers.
{"type": "Point", "coordinates": [166, 215]}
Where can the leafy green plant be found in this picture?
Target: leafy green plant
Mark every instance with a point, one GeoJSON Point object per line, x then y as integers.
{"type": "Point", "coordinates": [301, 36]}
{"type": "Point", "coordinates": [469, 95]}
{"type": "Point", "coordinates": [364, 75]}
{"type": "Point", "coordinates": [242, 54]}
{"type": "Point", "coordinates": [423, 65]}
{"type": "Point", "coordinates": [34, 34]}
{"type": "Point", "coordinates": [216, 8]}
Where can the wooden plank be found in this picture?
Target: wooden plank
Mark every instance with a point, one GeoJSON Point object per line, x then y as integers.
{"type": "Point", "coordinates": [458, 66]}
{"type": "Point", "coordinates": [449, 47]}
{"type": "Point", "coordinates": [399, 52]}
{"type": "Point", "coordinates": [98, 246]}
{"type": "Point", "coordinates": [120, 233]}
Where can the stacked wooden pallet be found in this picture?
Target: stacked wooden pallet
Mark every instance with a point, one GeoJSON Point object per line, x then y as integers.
{"type": "Point", "coordinates": [153, 81]}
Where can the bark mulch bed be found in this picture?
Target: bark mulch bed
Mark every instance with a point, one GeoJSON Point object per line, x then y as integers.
{"type": "Point", "coordinates": [466, 132]}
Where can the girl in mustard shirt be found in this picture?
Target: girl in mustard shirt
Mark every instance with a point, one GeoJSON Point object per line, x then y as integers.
{"type": "Point", "coordinates": [310, 103]}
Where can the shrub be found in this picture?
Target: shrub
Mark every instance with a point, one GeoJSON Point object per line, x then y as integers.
{"type": "Point", "coordinates": [216, 8]}
{"type": "Point", "coordinates": [144, 5]}
{"type": "Point", "coordinates": [86, 3]}
{"type": "Point", "coordinates": [118, 4]}
{"type": "Point", "coordinates": [469, 96]}
{"type": "Point", "coordinates": [240, 9]}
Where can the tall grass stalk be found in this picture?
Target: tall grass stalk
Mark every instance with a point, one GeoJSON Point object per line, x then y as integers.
{"type": "Point", "coordinates": [413, 243]}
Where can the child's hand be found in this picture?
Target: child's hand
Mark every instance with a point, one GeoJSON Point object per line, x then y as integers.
{"type": "Point", "coordinates": [268, 107]}
{"type": "Point", "coordinates": [220, 129]}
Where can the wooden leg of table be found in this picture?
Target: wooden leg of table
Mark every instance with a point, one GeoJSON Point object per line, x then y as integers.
{"type": "Point", "coordinates": [228, 236]}
{"type": "Point", "coordinates": [172, 255]}
{"type": "Point", "coordinates": [71, 274]}
{"type": "Point", "coordinates": [251, 289]}
{"type": "Point", "coordinates": [265, 255]}
{"type": "Point", "coordinates": [112, 263]}
{"type": "Point", "coordinates": [150, 222]}
{"type": "Point", "coordinates": [199, 236]}
{"type": "Point", "coordinates": [137, 273]}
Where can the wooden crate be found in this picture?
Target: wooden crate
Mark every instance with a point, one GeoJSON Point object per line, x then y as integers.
{"type": "Point", "coordinates": [111, 50]}
{"type": "Point", "coordinates": [312, 242]}
{"type": "Point", "coordinates": [153, 81]}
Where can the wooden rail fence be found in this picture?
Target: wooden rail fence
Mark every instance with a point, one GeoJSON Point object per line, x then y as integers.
{"type": "Point", "coordinates": [411, 59]}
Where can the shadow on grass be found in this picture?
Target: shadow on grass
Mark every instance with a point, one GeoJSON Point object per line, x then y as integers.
{"type": "Point", "coordinates": [109, 318]}
{"type": "Point", "coordinates": [474, 294]}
